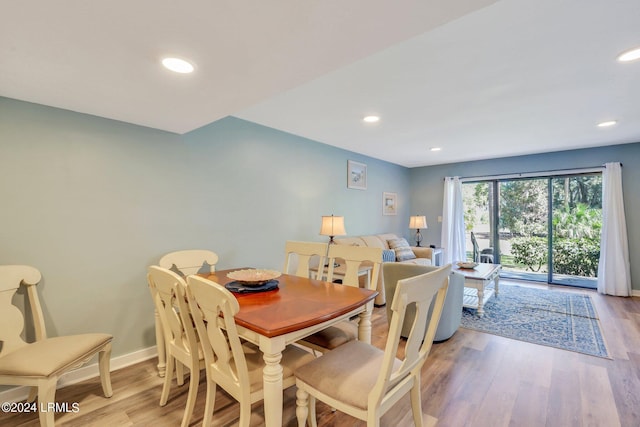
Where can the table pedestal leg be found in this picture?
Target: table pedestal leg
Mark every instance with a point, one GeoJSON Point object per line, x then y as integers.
{"type": "Point", "coordinates": [272, 383]}
{"type": "Point", "coordinates": [364, 324]}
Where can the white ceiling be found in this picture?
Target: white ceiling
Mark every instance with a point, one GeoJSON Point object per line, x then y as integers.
{"type": "Point", "coordinates": [478, 78]}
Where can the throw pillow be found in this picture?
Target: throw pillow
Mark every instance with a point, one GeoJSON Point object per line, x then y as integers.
{"type": "Point", "coordinates": [388, 255]}
{"type": "Point", "coordinates": [402, 249]}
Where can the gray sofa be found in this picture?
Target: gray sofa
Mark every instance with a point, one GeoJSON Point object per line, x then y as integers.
{"type": "Point", "coordinates": [452, 311]}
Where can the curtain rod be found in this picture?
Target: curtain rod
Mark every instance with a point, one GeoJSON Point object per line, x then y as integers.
{"type": "Point", "coordinates": [534, 174]}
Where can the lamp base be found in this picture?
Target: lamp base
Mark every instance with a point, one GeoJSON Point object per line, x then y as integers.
{"type": "Point", "coordinates": [418, 238]}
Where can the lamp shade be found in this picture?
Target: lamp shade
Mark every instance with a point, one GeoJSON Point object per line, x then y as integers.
{"type": "Point", "coordinates": [418, 221]}
{"type": "Point", "coordinates": [332, 226]}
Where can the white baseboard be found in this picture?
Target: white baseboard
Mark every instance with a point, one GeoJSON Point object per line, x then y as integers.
{"type": "Point", "coordinates": [83, 373]}
{"type": "Point", "coordinates": [635, 293]}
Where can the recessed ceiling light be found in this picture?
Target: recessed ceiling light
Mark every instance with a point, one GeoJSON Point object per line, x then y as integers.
{"type": "Point", "coordinates": [371, 119]}
{"type": "Point", "coordinates": [178, 65]}
{"type": "Point", "coordinates": [435, 149]}
{"type": "Point", "coordinates": [629, 55]}
{"type": "Point", "coordinates": [607, 124]}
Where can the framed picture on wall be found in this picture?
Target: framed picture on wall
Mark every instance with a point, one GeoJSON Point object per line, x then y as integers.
{"type": "Point", "coordinates": [389, 203]}
{"type": "Point", "coordinates": [356, 175]}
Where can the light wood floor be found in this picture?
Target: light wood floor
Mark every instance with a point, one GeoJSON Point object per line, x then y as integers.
{"type": "Point", "coordinates": [473, 379]}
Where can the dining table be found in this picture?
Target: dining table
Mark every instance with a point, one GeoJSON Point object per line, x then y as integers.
{"type": "Point", "coordinates": [297, 308]}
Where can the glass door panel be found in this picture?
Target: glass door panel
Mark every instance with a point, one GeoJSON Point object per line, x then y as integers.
{"type": "Point", "coordinates": [577, 222]}
{"type": "Point", "coordinates": [523, 228]}
{"type": "Point", "coordinates": [478, 200]}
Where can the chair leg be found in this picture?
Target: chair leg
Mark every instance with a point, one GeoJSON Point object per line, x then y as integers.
{"type": "Point", "coordinates": [33, 393]}
{"type": "Point", "coordinates": [312, 412]}
{"type": "Point", "coordinates": [104, 363]}
{"type": "Point", "coordinates": [179, 372]}
{"type": "Point", "coordinates": [167, 380]}
{"type": "Point", "coordinates": [245, 413]}
{"type": "Point", "coordinates": [46, 396]}
{"type": "Point", "coordinates": [194, 380]}
{"type": "Point", "coordinates": [302, 407]}
{"type": "Point", "coordinates": [416, 403]}
{"type": "Point", "coordinates": [373, 420]}
{"type": "Point", "coordinates": [210, 404]}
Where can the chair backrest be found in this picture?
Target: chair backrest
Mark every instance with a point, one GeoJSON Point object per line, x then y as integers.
{"type": "Point", "coordinates": [419, 290]}
{"type": "Point", "coordinates": [309, 254]}
{"type": "Point", "coordinates": [213, 309]}
{"type": "Point", "coordinates": [354, 257]}
{"type": "Point", "coordinates": [189, 261]}
{"type": "Point", "coordinates": [168, 293]}
{"type": "Point", "coordinates": [12, 319]}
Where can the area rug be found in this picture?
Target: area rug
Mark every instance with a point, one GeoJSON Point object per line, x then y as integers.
{"type": "Point", "coordinates": [565, 320]}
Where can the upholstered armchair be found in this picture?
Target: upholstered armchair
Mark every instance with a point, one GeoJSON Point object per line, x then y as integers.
{"type": "Point", "coordinates": [452, 311]}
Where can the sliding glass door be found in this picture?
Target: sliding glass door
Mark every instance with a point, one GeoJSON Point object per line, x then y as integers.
{"type": "Point", "coordinates": [575, 233]}
{"type": "Point", "coordinates": [539, 228]}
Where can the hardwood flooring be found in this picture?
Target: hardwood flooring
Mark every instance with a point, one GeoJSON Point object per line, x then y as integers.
{"type": "Point", "coordinates": [473, 379]}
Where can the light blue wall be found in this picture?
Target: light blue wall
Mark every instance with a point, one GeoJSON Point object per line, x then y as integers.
{"type": "Point", "coordinates": [92, 202]}
{"type": "Point", "coordinates": [427, 184]}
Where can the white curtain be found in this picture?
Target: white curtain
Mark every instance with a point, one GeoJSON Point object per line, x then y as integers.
{"type": "Point", "coordinates": [453, 237]}
{"type": "Point", "coordinates": [614, 273]}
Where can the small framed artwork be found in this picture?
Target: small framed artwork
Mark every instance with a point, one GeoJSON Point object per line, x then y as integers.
{"type": "Point", "coordinates": [389, 203]}
{"type": "Point", "coordinates": [356, 175]}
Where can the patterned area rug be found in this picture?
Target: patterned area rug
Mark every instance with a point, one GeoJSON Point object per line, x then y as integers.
{"type": "Point", "coordinates": [565, 320]}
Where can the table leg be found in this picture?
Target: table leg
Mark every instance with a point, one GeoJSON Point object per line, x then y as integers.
{"type": "Point", "coordinates": [496, 282]}
{"type": "Point", "coordinates": [481, 300]}
{"type": "Point", "coordinates": [364, 324]}
{"type": "Point", "coordinates": [162, 357]}
{"type": "Point", "coordinates": [272, 385]}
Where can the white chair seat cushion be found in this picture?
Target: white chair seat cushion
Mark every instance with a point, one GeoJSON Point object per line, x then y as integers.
{"type": "Point", "coordinates": [334, 336]}
{"type": "Point", "coordinates": [292, 358]}
{"type": "Point", "coordinates": [347, 373]}
{"type": "Point", "coordinates": [52, 355]}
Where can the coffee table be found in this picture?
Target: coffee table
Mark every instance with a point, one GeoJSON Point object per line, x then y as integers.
{"type": "Point", "coordinates": [476, 282]}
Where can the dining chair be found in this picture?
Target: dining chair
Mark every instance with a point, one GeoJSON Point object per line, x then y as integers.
{"type": "Point", "coordinates": [180, 339]}
{"type": "Point", "coordinates": [183, 263]}
{"type": "Point", "coordinates": [189, 261]}
{"type": "Point", "coordinates": [39, 364]}
{"type": "Point", "coordinates": [236, 366]}
{"type": "Point", "coordinates": [364, 381]}
{"type": "Point", "coordinates": [352, 259]}
{"type": "Point", "coordinates": [307, 255]}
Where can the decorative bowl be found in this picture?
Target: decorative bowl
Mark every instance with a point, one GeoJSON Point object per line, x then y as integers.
{"type": "Point", "coordinates": [253, 276]}
{"type": "Point", "coordinates": [468, 265]}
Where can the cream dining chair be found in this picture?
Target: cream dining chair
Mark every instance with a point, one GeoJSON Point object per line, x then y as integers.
{"type": "Point", "coordinates": [302, 256]}
{"type": "Point", "coordinates": [233, 365]}
{"type": "Point", "coordinates": [364, 381]}
{"type": "Point", "coordinates": [189, 261]}
{"type": "Point", "coordinates": [39, 364]}
{"type": "Point", "coordinates": [352, 259]}
{"type": "Point", "coordinates": [180, 339]}
{"type": "Point", "coordinates": [186, 262]}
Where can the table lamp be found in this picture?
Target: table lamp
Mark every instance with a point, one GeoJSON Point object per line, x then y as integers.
{"type": "Point", "coordinates": [332, 226]}
{"type": "Point", "coordinates": [418, 222]}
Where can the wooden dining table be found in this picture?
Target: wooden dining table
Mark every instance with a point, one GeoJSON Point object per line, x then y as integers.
{"type": "Point", "coordinates": [298, 308]}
